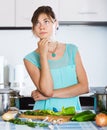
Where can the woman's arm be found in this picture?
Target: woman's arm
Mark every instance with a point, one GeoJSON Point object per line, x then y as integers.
{"type": "Point", "coordinates": [78, 89]}
{"type": "Point", "coordinates": [41, 77]}
{"type": "Point", "coordinates": [70, 91]}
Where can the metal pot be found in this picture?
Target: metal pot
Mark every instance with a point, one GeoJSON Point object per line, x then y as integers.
{"type": "Point", "coordinates": [7, 99]}
{"type": "Point", "coordinates": [101, 100]}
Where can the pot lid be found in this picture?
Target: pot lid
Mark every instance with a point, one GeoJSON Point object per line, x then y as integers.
{"type": "Point", "coordinates": [101, 92]}
{"type": "Point", "coordinates": [8, 90]}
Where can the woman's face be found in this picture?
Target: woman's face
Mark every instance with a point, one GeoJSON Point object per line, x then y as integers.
{"type": "Point", "coordinates": [45, 27]}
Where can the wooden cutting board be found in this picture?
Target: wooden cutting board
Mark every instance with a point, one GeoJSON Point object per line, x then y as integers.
{"type": "Point", "coordinates": [50, 118]}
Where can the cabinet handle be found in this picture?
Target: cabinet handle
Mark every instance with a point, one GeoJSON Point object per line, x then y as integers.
{"type": "Point", "coordinates": [88, 12]}
{"type": "Point", "coordinates": [30, 104]}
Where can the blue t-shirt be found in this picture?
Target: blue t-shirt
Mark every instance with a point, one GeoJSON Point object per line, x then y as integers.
{"type": "Point", "coordinates": [63, 72]}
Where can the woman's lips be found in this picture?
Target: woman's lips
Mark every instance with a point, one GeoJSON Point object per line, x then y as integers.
{"type": "Point", "coordinates": [42, 33]}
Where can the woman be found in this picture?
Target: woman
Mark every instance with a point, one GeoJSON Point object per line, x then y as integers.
{"type": "Point", "coordinates": [55, 68]}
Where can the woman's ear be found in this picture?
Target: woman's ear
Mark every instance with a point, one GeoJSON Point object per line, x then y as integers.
{"type": "Point", "coordinates": [56, 25]}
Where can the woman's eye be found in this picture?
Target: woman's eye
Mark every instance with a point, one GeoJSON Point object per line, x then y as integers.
{"type": "Point", "coordinates": [46, 22]}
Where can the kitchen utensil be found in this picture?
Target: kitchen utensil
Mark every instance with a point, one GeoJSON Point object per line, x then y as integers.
{"type": "Point", "coordinates": [101, 100]}
{"type": "Point", "coordinates": [7, 99]}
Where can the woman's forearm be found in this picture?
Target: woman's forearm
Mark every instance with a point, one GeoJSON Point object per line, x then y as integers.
{"type": "Point", "coordinates": [71, 91]}
{"type": "Point", "coordinates": [45, 82]}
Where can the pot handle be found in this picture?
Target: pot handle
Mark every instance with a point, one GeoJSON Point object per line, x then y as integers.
{"type": "Point", "coordinates": [16, 96]}
{"type": "Point", "coordinates": [105, 88]}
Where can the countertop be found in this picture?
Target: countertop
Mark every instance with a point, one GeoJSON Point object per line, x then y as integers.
{"type": "Point", "coordinates": [65, 126]}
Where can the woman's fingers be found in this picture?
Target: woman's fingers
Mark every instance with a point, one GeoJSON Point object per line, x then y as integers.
{"type": "Point", "coordinates": [43, 47]}
{"type": "Point", "coordinates": [37, 95]}
{"type": "Point", "coordinates": [43, 42]}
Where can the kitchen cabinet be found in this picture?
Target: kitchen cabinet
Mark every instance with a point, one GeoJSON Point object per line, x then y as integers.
{"type": "Point", "coordinates": [27, 103]}
{"type": "Point", "coordinates": [18, 13]}
{"type": "Point", "coordinates": [66, 11]}
{"type": "Point", "coordinates": [7, 13]}
{"type": "Point", "coordinates": [83, 10]}
{"type": "Point", "coordinates": [87, 103]}
{"type": "Point", "coordinates": [25, 9]}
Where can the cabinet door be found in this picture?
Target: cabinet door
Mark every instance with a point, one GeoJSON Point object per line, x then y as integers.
{"type": "Point", "coordinates": [83, 10]}
{"type": "Point", "coordinates": [7, 13]}
{"type": "Point", "coordinates": [96, 10]}
{"type": "Point", "coordinates": [25, 9]}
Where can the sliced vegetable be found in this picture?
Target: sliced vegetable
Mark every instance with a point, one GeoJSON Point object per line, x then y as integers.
{"type": "Point", "coordinates": [68, 110]}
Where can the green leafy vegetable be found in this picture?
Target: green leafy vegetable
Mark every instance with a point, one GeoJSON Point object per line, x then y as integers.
{"type": "Point", "coordinates": [28, 123]}
{"type": "Point", "coordinates": [64, 111]}
{"type": "Point", "coordinates": [40, 112]}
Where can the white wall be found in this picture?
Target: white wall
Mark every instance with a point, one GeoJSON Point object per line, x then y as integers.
{"type": "Point", "coordinates": [92, 44]}
{"type": "Point", "coordinates": [91, 41]}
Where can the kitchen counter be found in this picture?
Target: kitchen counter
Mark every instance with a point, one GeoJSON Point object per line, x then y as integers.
{"type": "Point", "coordinates": [65, 126]}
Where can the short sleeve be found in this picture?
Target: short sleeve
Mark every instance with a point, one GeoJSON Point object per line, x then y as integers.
{"type": "Point", "coordinates": [34, 58]}
{"type": "Point", "coordinates": [72, 50]}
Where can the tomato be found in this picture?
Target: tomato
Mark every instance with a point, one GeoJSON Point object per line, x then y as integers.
{"type": "Point", "coordinates": [101, 119]}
